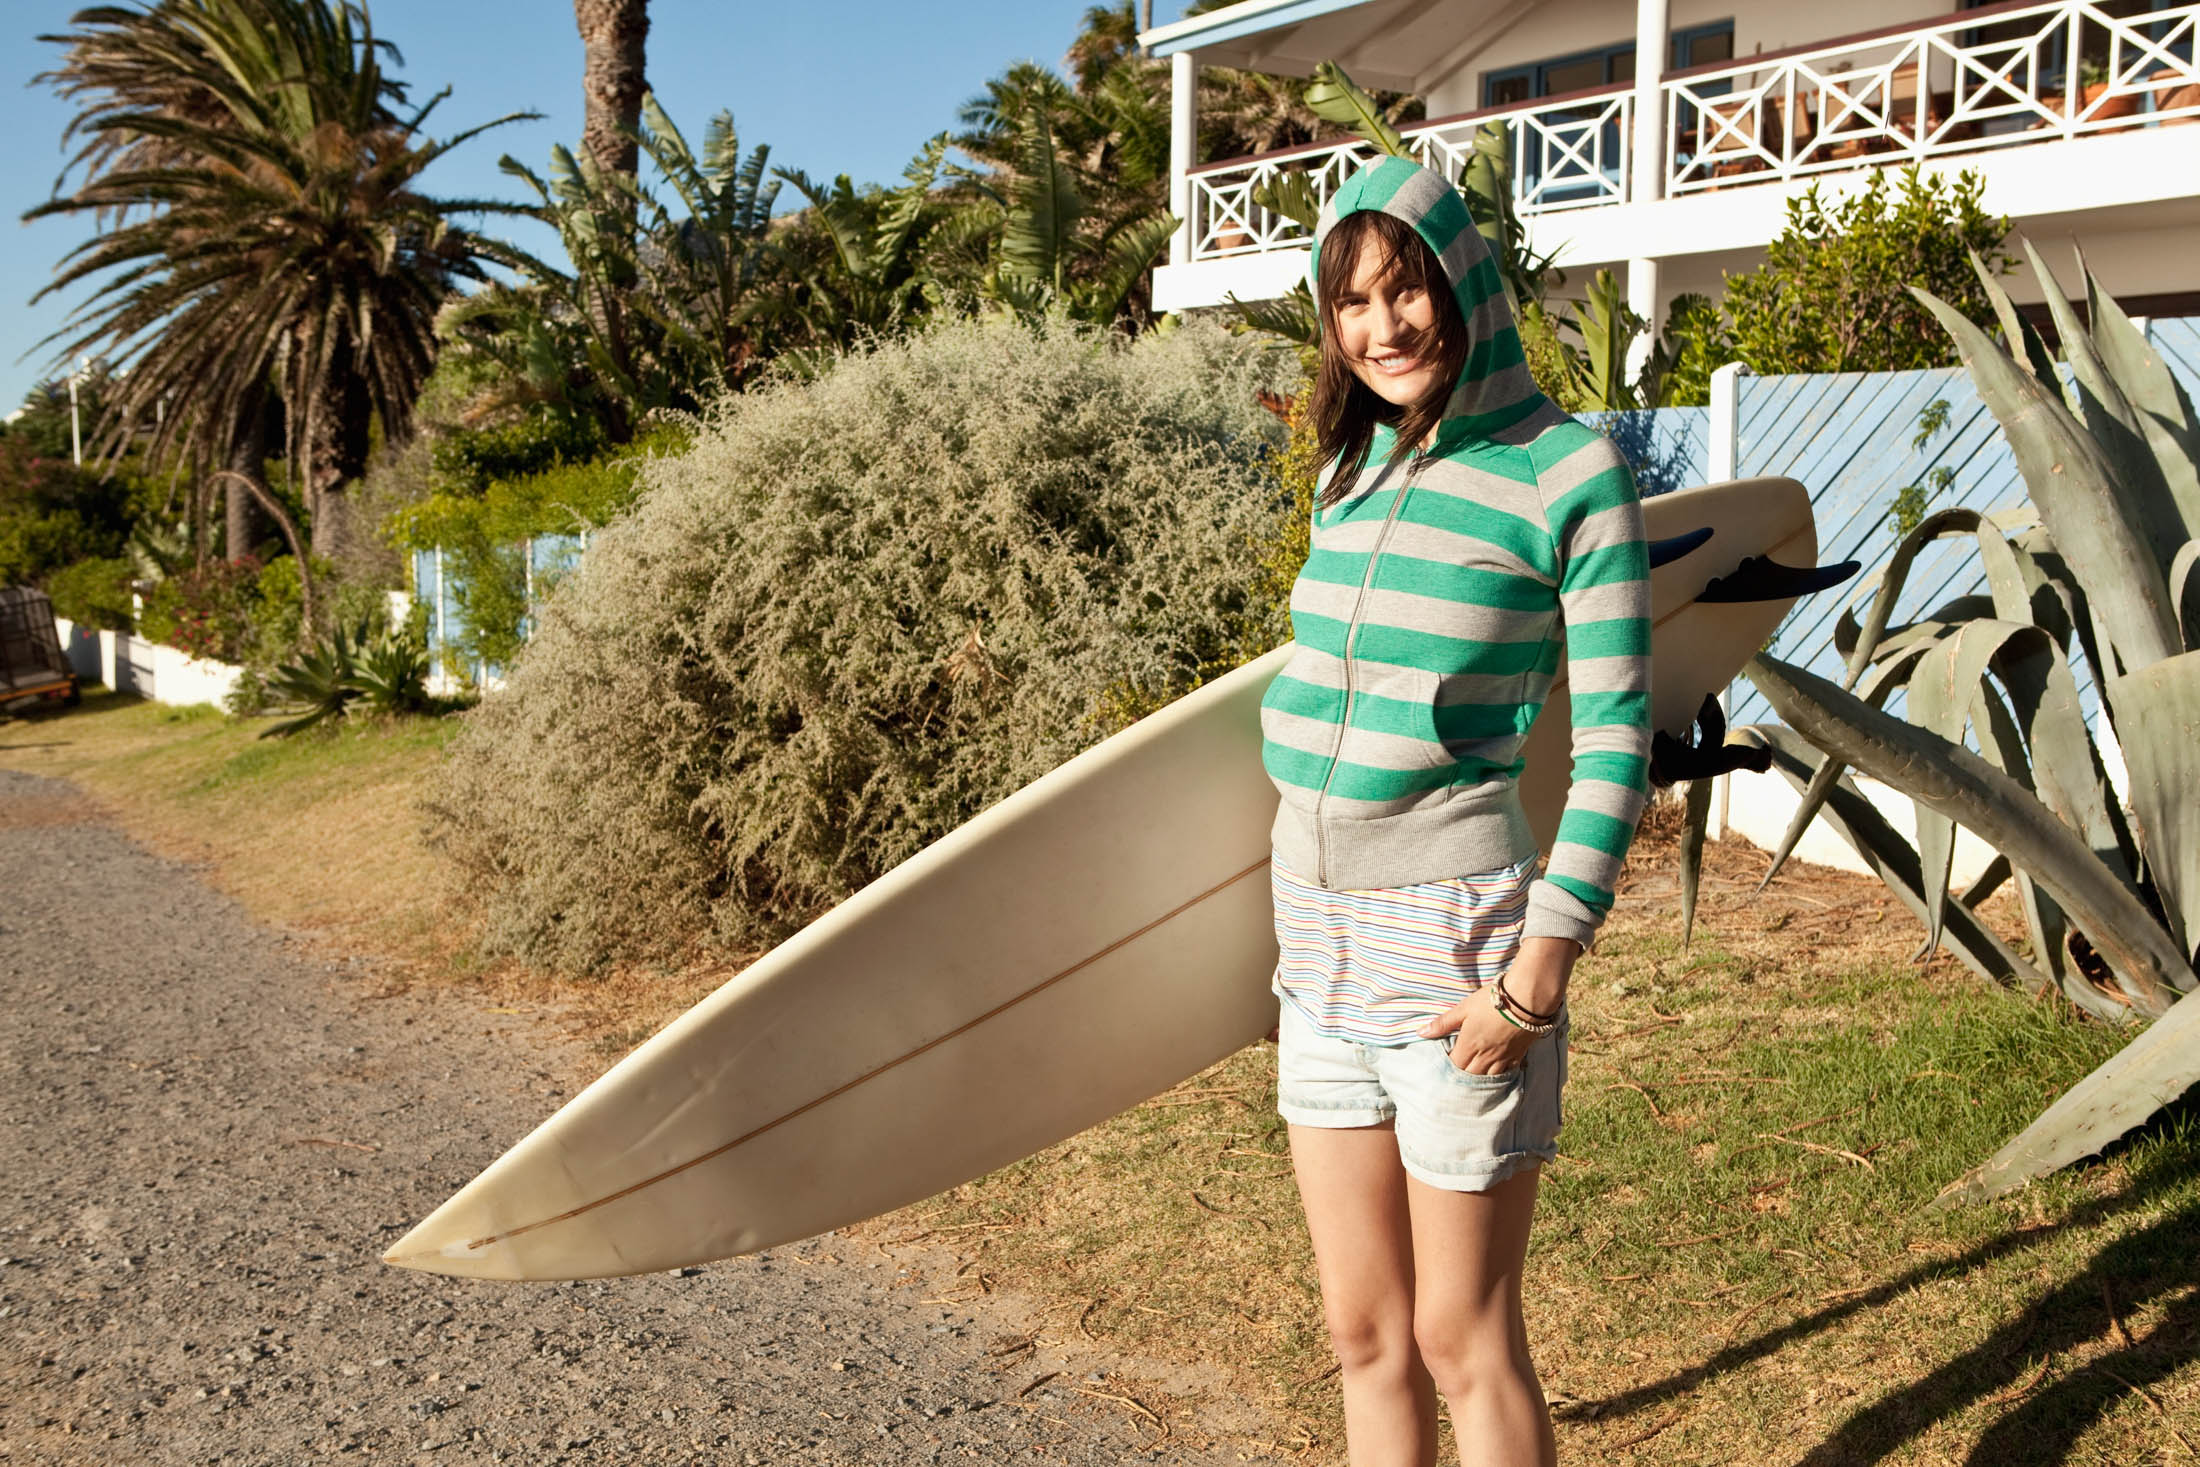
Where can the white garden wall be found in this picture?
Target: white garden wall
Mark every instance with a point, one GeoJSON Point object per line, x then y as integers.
{"type": "Point", "coordinates": [131, 664]}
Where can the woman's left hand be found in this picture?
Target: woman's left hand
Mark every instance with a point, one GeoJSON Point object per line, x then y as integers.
{"type": "Point", "coordinates": [1487, 1045]}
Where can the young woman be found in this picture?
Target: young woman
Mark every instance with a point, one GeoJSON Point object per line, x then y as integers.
{"type": "Point", "coordinates": [1466, 531]}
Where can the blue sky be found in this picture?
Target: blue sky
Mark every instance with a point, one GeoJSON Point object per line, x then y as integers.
{"type": "Point", "coordinates": [834, 86]}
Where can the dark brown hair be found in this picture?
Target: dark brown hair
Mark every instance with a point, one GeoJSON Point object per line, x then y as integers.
{"type": "Point", "coordinates": [1346, 409]}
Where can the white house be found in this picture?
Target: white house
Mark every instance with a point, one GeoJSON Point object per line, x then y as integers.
{"type": "Point", "coordinates": [1661, 138]}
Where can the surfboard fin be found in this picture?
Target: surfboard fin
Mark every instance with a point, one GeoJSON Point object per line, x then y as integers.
{"type": "Point", "coordinates": [1666, 551]}
{"type": "Point", "coordinates": [1703, 752]}
{"type": "Point", "coordinates": [1761, 578]}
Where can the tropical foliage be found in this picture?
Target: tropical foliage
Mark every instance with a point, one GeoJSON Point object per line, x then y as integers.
{"type": "Point", "coordinates": [2094, 578]}
{"type": "Point", "coordinates": [266, 234]}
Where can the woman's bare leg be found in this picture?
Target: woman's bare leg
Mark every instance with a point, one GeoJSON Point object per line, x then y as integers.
{"type": "Point", "coordinates": [1468, 1251]}
{"type": "Point", "coordinates": [1354, 1191]}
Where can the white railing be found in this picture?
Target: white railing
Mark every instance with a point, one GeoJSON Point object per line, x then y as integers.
{"type": "Point", "coordinates": [1568, 154]}
{"type": "Point", "coordinates": [1994, 79]}
{"type": "Point", "coordinates": [1991, 78]}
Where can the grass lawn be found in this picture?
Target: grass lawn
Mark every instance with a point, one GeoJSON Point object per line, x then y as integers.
{"type": "Point", "coordinates": [1736, 1260]}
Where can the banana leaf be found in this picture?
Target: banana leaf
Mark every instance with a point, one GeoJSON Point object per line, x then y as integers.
{"type": "Point", "coordinates": [2154, 1069]}
{"type": "Point", "coordinates": [1958, 783]}
{"type": "Point", "coordinates": [1292, 196]}
{"type": "Point", "coordinates": [1891, 859]}
{"type": "Point", "coordinates": [1334, 97]}
{"type": "Point", "coordinates": [2073, 483]}
{"type": "Point", "coordinates": [2162, 706]}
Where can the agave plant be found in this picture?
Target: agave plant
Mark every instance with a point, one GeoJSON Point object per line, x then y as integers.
{"type": "Point", "coordinates": [318, 686]}
{"type": "Point", "coordinates": [2097, 572]}
{"type": "Point", "coordinates": [390, 674]}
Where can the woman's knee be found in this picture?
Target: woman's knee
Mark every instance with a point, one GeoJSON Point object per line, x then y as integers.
{"type": "Point", "coordinates": [1460, 1347]}
{"type": "Point", "coordinates": [1367, 1338]}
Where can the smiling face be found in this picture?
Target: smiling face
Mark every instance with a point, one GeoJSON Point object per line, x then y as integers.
{"type": "Point", "coordinates": [1385, 319]}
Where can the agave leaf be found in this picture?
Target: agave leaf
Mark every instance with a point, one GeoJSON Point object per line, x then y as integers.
{"type": "Point", "coordinates": [1987, 882]}
{"type": "Point", "coordinates": [1292, 196]}
{"type": "Point", "coordinates": [2115, 426]}
{"type": "Point", "coordinates": [1864, 640]}
{"type": "Point", "coordinates": [1692, 834]}
{"type": "Point", "coordinates": [1334, 97]}
{"type": "Point", "coordinates": [1942, 691]}
{"type": "Point", "coordinates": [1884, 680]}
{"type": "Point", "coordinates": [1961, 785]}
{"type": "Point", "coordinates": [1891, 859]}
{"type": "Point", "coordinates": [2004, 745]}
{"type": "Point", "coordinates": [2154, 1069]}
{"type": "Point", "coordinates": [2162, 752]}
{"type": "Point", "coordinates": [2073, 483]}
{"type": "Point", "coordinates": [2015, 329]}
{"type": "Point", "coordinates": [2064, 762]}
{"type": "Point", "coordinates": [2164, 411]}
{"type": "Point", "coordinates": [2180, 589]}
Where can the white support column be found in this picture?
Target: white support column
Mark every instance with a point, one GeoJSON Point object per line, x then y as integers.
{"type": "Point", "coordinates": [1726, 420]}
{"type": "Point", "coordinates": [1646, 168]}
{"type": "Point", "coordinates": [1642, 299]}
{"type": "Point", "coordinates": [1724, 428]}
{"type": "Point", "coordinates": [1183, 149]}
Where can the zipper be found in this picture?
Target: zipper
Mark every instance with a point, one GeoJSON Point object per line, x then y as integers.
{"type": "Point", "coordinates": [1351, 635]}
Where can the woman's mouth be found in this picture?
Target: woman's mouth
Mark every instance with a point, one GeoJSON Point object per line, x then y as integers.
{"type": "Point", "coordinates": [1395, 364]}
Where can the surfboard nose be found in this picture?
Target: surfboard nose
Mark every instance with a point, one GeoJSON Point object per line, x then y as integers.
{"type": "Point", "coordinates": [439, 1244]}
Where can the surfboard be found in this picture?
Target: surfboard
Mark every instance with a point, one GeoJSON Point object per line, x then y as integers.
{"type": "Point", "coordinates": [1092, 940]}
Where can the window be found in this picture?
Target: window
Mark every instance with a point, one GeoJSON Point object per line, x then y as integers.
{"type": "Point", "coordinates": [1696, 46]}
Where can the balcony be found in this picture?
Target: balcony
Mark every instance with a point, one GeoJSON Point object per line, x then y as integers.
{"type": "Point", "coordinates": [1993, 79]}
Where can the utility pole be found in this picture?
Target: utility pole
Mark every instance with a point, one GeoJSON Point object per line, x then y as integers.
{"type": "Point", "coordinates": [76, 433]}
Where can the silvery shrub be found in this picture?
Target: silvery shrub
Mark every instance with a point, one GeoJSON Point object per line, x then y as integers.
{"type": "Point", "coordinates": [855, 613]}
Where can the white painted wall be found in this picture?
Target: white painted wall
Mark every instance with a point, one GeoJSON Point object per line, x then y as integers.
{"type": "Point", "coordinates": [130, 664]}
{"type": "Point", "coordinates": [1759, 806]}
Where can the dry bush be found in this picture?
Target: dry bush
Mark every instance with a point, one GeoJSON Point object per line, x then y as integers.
{"type": "Point", "coordinates": [854, 614]}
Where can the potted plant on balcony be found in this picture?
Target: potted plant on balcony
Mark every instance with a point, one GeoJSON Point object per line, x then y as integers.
{"type": "Point", "coordinates": [2094, 102]}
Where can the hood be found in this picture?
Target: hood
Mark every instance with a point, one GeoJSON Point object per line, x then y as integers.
{"type": "Point", "coordinates": [1494, 390]}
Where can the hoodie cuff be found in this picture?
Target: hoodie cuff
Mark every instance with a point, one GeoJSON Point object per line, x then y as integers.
{"type": "Point", "coordinates": [1554, 911]}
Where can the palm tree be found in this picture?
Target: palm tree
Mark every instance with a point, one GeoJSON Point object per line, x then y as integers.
{"type": "Point", "coordinates": [614, 34]}
{"type": "Point", "coordinates": [269, 237]}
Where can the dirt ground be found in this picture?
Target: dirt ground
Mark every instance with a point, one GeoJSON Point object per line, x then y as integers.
{"type": "Point", "coordinates": [209, 1133]}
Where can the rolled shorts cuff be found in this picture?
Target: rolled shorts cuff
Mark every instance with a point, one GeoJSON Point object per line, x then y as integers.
{"type": "Point", "coordinates": [1476, 1178]}
{"type": "Point", "coordinates": [1334, 1117]}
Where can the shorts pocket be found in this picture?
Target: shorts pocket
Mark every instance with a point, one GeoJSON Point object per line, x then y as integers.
{"type": "Point", "coordinates": [1496, 1083]}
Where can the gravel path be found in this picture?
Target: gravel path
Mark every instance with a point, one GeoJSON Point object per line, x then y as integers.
{"type": "Point", "coordinates": [208, 1134]}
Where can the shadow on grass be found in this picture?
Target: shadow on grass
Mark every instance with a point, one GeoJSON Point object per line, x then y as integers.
{"type": "Point", "coordinates": [2050, 1410]}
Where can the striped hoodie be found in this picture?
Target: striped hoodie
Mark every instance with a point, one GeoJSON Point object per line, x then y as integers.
{"type": "Point", "coordinates": [1430, 615]}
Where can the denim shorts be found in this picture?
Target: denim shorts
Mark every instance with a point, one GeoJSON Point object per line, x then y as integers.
{"type": "Point", "coordinates": [1457, 1131]}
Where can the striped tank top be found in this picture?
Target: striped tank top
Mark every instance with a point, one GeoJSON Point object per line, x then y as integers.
{"type": "Point", "coordinates": [1372, 966]}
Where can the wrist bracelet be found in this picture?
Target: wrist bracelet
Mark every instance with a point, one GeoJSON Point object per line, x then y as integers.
{"type": "Point", "coordinates": [1526, 1012]}
{"type": "Point", "coordinates": [1505, 1012]}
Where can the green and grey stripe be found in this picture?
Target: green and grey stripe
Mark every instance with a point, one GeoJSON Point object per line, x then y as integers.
{"type": "Point", "coordinates": [1431, 615]}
